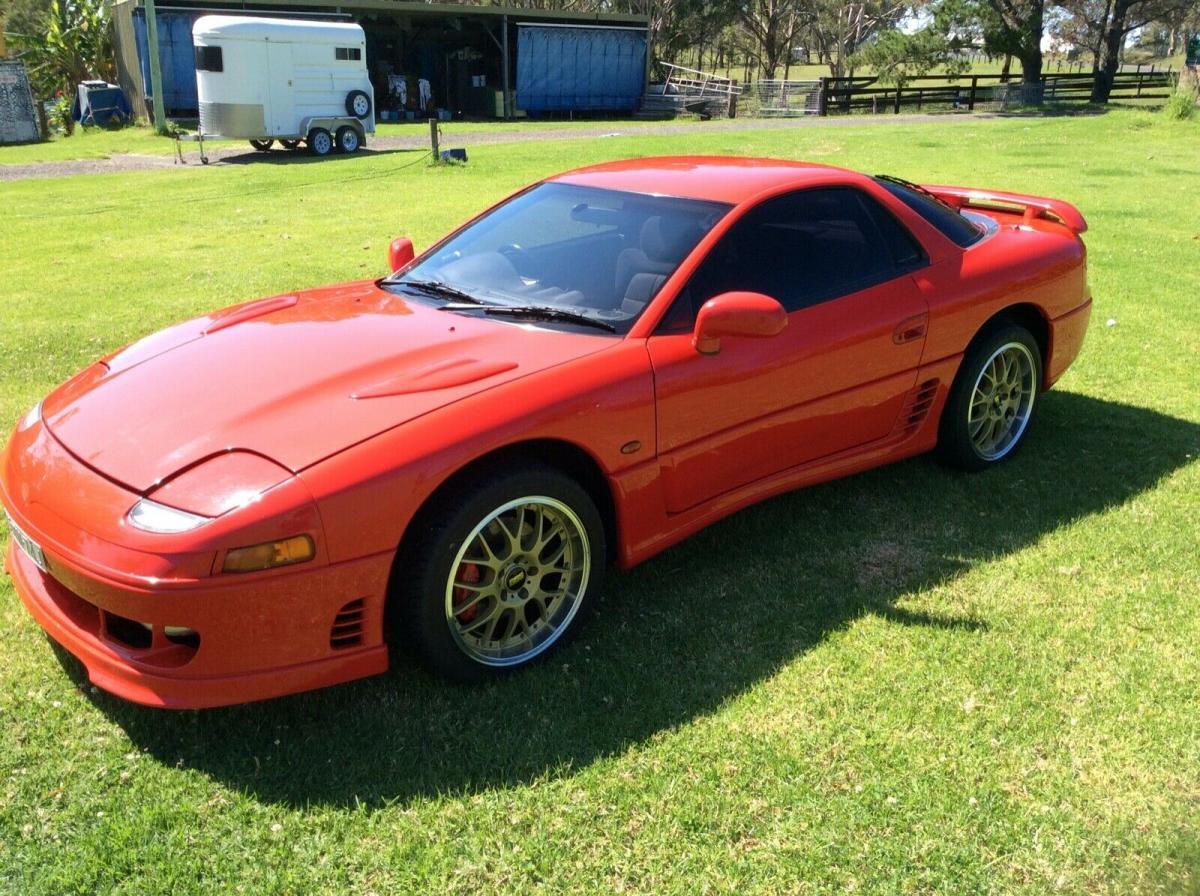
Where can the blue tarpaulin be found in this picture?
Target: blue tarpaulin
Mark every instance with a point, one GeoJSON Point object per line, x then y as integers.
{"type": "Point", "coordinates": [176, 59]}
{"type": "Point", "coordinates": [101, 104]}
{"type": "Point", "coordinates": [578, 69]}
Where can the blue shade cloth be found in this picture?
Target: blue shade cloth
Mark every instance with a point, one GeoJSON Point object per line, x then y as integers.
{"type": "Point", "coordinates": [176, 59]}
{"type": "Point", "coordinates": [580, 69]}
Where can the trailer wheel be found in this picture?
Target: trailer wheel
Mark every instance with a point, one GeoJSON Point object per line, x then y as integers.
{"type": "Point", "coordinates": [358, 104]}
{"type": "Point", "coordinates": [261, 145]}
{"type": "Point", "coordinates": [289, 144]}
{"type": "Point", "coordinates": [319, 142]}
{"type": "Point", "coordinates": [348, 140]}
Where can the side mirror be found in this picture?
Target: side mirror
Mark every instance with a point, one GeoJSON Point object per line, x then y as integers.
{"type": "Point", "coordinates": [400, 253]}
{"type": "Point", "coordinates": [736, 314]}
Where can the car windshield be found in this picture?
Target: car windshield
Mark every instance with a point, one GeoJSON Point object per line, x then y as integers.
{"type": "Point", "coordinates": [585, 254]}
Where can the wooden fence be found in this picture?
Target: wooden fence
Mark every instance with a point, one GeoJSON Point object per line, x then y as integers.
{"type": "Point", "coordinates": [979, 92]}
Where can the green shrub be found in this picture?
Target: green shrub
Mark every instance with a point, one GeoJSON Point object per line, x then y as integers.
{"type": "Point", "coordinates": [1182, 104]}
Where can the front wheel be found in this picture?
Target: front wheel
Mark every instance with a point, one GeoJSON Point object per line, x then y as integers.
{"type": "Point", "coordinates": [505, 572]}
{"type": "Point", "coordinates": [990, 405]}
{"type": "Point", "coordinates": [320, 142]}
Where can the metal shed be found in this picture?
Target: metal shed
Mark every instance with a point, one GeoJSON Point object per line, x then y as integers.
{"type": "Point", "coordinates": [469, 57]}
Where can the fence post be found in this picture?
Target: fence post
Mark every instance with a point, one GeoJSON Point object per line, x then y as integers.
{"type": "Point", "coordinates": [971, 97]}
{"type": "Point", "coordinates": [821, 96]}
{"type": "Point", "coordinates": [896, 108]}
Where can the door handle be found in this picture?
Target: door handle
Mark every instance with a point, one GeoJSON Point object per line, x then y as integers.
{"type": "Point", "coordinates": [911, 329]}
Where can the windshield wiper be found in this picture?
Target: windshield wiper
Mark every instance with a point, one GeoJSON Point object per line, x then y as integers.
{"type": "Point", "coordinates": [534, 312]}
{"type": "Point", "coordinates": [438, 288]}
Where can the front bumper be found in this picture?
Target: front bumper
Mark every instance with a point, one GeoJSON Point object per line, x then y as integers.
{"type": "Point", "coordinates": [165, 673]}
{"type": "Point", "coordinates": [161, 629]}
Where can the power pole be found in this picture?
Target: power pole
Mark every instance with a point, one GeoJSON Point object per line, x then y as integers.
{"type": "Point", "coordinates": [160, 116]}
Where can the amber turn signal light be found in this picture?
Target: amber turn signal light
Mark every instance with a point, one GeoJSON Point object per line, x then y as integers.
{"type": "Point", "coordinates": [296, 549]}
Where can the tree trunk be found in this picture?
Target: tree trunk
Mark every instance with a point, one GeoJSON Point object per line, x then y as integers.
{"type": "Point", "coordinates": [1031, 66]}
{"type": "Point", "coordinates": [1114, 37]}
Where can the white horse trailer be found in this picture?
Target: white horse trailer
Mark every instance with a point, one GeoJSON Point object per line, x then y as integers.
{"type": "Point", "coordinates": [273, 79]}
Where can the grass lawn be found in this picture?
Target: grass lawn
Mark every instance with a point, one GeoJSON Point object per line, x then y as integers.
{"type": "Point", "coordinates": [910, 681]}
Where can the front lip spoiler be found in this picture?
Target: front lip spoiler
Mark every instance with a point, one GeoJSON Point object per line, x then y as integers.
{"type": "Point", "coordinates": [113, 673]}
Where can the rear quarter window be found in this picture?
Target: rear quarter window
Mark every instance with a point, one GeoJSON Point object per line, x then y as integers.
{"type": "Point", "coordinates": [949, 222]}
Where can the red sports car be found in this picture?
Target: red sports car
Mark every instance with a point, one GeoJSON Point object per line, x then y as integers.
{"type": "Point", "coordinates": [253, 503]}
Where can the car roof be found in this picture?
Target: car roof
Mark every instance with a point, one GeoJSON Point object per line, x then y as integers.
{"type": "Point", "coordinates": [730, 179]}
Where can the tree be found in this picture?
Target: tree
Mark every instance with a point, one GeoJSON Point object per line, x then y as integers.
{"type": "Point", "coordinates": [1014, 27]}
{"type": "Point", "coordinates": [839, 28]}
{"type": "Point", "coordinates": [76, 45]}
{"type": "Point", "coordinates": [1003, 28]}
{"type": "Point", "coordinates": [771, 26]}
{"type": "Point", "coordinates": [1103, 25]}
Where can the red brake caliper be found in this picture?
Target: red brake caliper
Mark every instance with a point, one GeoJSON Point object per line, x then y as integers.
{"type": "Point", "coordinates": [468, 573]}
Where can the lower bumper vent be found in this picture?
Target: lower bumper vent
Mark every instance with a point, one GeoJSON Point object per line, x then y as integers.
{"type": "Point", "coordinates": [347, 628]}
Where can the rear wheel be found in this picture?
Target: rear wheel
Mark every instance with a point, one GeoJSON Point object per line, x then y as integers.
{"type": "Point", "coordinates": [990, 405]}
{"type": "Point", "coordinates": [289, 144]}
{"type": "Point", "coordinates": [348, 140]}
{"type": "Point", "coordinates": [320, 143]}
{"type": "Point", "coordinates": [505, 573]}
{"type": "Point", "coordinates": [261, 145]}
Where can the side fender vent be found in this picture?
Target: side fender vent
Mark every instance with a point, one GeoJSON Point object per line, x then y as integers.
{"type": "Point", "coordinates": [347, 628]}
{"type": "Point", "coordinates": [916, 409]}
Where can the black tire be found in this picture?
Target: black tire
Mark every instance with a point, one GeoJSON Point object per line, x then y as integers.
{"type": "Point", "coordinates": [989, 408]}
{"type": "Point", "coordinates": [423, 595]}
{"type": "Point", "coordinates": [320, 142]}
{"type": "Point", "coordinates": [262, 145]}
{"type": "Point", "coordinates": [358, 104]}
{"type": "Point", "coordinates": [348, 140]}
{"type": "Point", "coordinates": [289, 144]}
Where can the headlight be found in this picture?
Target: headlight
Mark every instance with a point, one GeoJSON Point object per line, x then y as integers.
{"type": "Point", "coordinates": [296, 549]}
{"type": "Point", "coordinates": [32, 416]}
{"type": "Point", "coordinates": [151, 516]}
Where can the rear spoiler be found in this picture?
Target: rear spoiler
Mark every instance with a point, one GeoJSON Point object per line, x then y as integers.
{"type": "Point", "coordinates": [1030, 207]}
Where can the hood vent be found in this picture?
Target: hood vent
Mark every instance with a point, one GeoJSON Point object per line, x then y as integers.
{"type": "Point", "coordinates": [347, 628]}
{"type": "Point", "coordinates": [916, 409]}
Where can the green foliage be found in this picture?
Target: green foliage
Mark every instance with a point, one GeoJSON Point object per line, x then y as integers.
{"type": "Point", "coordinates": [897, 56]}
{"type": "Point", "coordinates": [76, 45]}
{"type": "Point", "coordinates": [1182, 104]}
{"type": "Point", "coordinates": [60, 115]}
{"type": "Point", "coordinates": [25, 16]}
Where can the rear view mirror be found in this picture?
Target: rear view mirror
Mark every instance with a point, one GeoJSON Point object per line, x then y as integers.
{"type": "Point", "coordinates": [400, 253]}
{"type": "Point", "coordinates": [736, 314]}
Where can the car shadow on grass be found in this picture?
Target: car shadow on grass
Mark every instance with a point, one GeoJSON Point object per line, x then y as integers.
{"type": "Point", "coordinates": [680, 635]}
{"type": "Point", "coordinates": [302, 156]}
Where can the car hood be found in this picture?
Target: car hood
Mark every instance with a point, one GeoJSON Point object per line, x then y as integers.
{"type": "Point", "coordinates": [295, 378]}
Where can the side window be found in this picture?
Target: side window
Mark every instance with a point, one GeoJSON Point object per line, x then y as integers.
{"type": "Point", "coordinates": [802, 249]}
{"type": "Point", "coordinates": [208, 59]}
{"type": "Point", "coordinates": [348, 53]}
